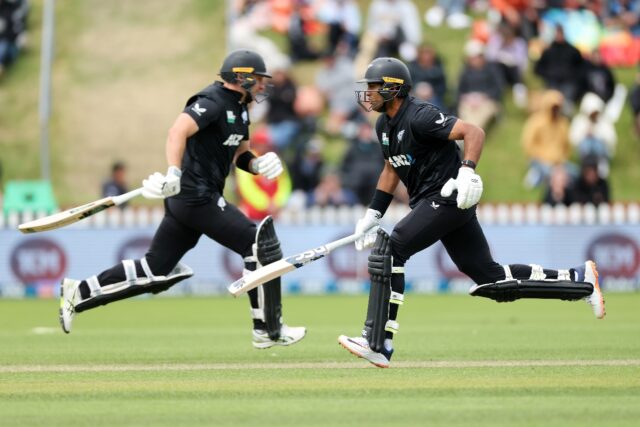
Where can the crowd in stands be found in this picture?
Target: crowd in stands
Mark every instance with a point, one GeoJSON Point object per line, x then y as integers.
{"type": "Point", "coordinates": [13, 27]}
{"type": "Point", "coordinates": [570, 46]}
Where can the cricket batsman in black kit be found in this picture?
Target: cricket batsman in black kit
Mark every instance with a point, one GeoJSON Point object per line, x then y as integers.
{"type": "Point", "coordinates": [210, 135]}
{"type": "Point", "coordinates": [418, 143]}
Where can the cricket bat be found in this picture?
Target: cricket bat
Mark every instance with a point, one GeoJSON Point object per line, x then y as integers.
{"type": "Point", "coordinates": [285, 265]}
{"type": "Point", "coordinates": [62, 219]}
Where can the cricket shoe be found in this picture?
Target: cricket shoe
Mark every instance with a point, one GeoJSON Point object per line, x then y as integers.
{"type": "Point", "coordinates": [69, 297]}
{"type": "Point", "coordinates": [359, 346]}
{"type": "Point", "coordinates": [288, 335]}
{"type": "Point", "coordinates": [589, 274]}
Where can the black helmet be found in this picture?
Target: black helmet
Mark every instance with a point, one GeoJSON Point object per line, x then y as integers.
{"type": "Point", "coordinates": [392, 74]}
{"type": "Point", "coordinates": [242, 61]}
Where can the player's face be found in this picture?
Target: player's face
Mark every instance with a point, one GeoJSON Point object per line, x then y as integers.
{"type": "Point", "coordinates": [371, 99]}
{"type": "Point", "coordinates": [258, 90]}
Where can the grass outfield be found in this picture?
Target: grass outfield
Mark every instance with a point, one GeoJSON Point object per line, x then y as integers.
{"type": "Point", "coordinates": [185, 362]}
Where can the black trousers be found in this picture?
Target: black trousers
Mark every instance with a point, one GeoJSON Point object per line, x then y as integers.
{"type": "Point", "coordinates": [180, 230]}
{"type": "Point", "coordinates": [462, 237]}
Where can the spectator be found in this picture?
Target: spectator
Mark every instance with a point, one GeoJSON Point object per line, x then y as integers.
{"type": "Point", "coordinates": [299, 48]}
{"type": "Point", "coordinates": [559, 65]}
{"type": "Point", "coordinates": [260, 196]}
{"type": "Point", "coordinates": [521, 15]}
{"type": "Point", "coordinates": [623, 14]}
{"type": "Point", "coordinates": [13, 25]}
{"type": "Point", "coordinates": [509, 52]}
{"type": "Point", "coordinates": [306, 167]}
{"type": "Point", "coordinates": [344, 21]}
{"type": "Point", "coordinates": [363, 163]}
{"type": "Point", "coordinates": [395, 27]}
{"type": "Point", "coordinates": [590, 187]}
{"type": "Point", "coordinates": [330, 192]}
{"type": "Point", "coordinates": [545, 138]}
{"type": "Point", "coordinates": [634, 98]}
{"type": "Point", "coordinates": [597, 77]}
{"type": "Point", "coordinates": [427, 68]}
{"type": "Point", "coordinates": [452, 10]}
{"type": "Point", "coordinates": [558, 191]}
{"type": "Point", "coordinates": [593, 133]}
{"type": "Point", "coordinates": [117, 182]}
{"type": "Point", "coordinates": [281, 116]}
{"type": "Point", "coordinates": [335, 79]}
{"type": "Point", "coordinates": [479, 88]}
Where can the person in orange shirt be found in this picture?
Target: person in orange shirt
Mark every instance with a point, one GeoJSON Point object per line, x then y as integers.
{"type": "Point", "coordinates": [260, 197]}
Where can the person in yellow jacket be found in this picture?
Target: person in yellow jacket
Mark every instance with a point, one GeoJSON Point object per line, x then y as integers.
{"type": "Point", "coordinates": [545, 138]}
{"type": "Point", "coordinates": [260, 197]}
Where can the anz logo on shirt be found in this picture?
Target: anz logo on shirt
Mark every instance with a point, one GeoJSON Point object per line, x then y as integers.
{"type": "Point", "coordinates": [233, 140]}
{"type": "Point", "coordinates": [401, 160]}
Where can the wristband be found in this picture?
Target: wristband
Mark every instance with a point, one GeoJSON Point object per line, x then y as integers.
{"type": "Point", "coordinates": [381, 201]}
{"type": "Point", "coordinates": [468, 163]}
{"type": "Point", "coordinates": [243, 160]}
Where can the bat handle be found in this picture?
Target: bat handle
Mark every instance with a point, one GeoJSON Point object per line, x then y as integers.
{"type": "Point", "coordinates": [344, 241]}
{"type": "Point", "coordinates": [118, 200]}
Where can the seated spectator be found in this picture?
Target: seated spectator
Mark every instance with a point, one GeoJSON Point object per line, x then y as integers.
{"type": "Point", "coordinates": [521, 15]}
{"type": "Point", "coordinates": [559, 190]}
{"type": "Point", "coordinates": [545, 138]}
{"type": "Point", "coordinates": [427, 68]}
{"type": "Point", "coordinates": [335, 79]}
{"type": "Point", "coordinates": [509, 52]}
{"type": "Point", "coordinates": [593, 133]}
{"type": "Point", "coordinates": [479, 88]}
{"type": "Point", "coordinates": [344, 21]}
{"type": "Point", "coordinates": [395, 27]}
{"type": "Point", "coordinates": [590, 187]}
{"type": "Point", "coordinates": [451, 10]}
{"type": "Point", "coordinates": [623, 14]}
{"type": "Point", "coordinates": [330, 192]}
{"type": "Point", "coordinates": [281, 117]}
{"type": "Point", "coordinates": [363, 163]}
{"type": "Point", "coordinates": [307, 166]}
{"type": "Point", "coordinates": [559, 66]}
{"type": "Point", "coordinates": [634, 98]}
{"type": "Point", "coordinates": [299, 48]}
{"type": "Point", "coordinates": [117, 182]}
{"type": "Point", "coordinates": [260, 196]}
{"type": "Point", "coordinates": [597, 77]}
{"type": "Point", "coordinates": [13, 25]}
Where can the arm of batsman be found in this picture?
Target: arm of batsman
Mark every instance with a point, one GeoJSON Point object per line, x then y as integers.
{"type": "Point", "coordinates": [267, 165]}
{"type": "Point", "coordinates": [469, 186]}
{"type": "Point", "coordinates": [159, 186]}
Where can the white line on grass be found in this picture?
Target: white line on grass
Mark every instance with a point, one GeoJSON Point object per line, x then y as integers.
{"type": "Point", "coordinates": [443, 364]}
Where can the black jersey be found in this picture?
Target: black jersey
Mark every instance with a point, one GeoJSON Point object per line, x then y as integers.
{"type": "Point", "coordinates": [416, 143]}
{"type": "Point", "coordinates": [223, 123]}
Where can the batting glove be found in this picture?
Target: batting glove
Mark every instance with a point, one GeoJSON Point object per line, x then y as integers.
{"type": "Point", "coordinates": [367, 229]}
{"type": "Point", "coordinates": [159, 186]}
{"type": "Point", "coordinates": [268, 165]}
{"type": "Point", "coordinates": [469, 186]}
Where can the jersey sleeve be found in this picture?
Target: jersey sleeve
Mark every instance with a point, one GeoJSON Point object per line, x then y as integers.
{"type": "Point", "coordinates": [204, 111]}
{"type": "Point", "coordinates": [432, 122]}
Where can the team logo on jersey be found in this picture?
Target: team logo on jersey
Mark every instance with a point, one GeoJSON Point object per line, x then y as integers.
{"type": "Point", "coordinates": [385, 139]}
{"type": "Point", "coordinates": [231, 118]}
{"type": "Point", "coordinates": [401, 160]}
{"type": "Point", "coordinates": [233, 140]}
{"type": "Point", "coordinates": [442, 121]}
{"type": "Point", "coordinates": [434, 205]}
{"type": "Point", "coordinates": [245, 117]}
{"type": "Point", "coordinates": [198, 109]}
{"type": "Point", "coordinates": [400, 135]}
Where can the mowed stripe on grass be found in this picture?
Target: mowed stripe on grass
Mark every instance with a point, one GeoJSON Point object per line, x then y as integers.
{"type": "Point", "coordinates": [461, 364]}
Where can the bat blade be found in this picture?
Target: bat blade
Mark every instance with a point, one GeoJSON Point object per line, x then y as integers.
{"type": "Point", "coordinates": [62, 219]}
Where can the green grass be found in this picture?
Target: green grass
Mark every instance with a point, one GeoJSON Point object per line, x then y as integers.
{"type": "Point", "coordinates": [123, 69]}
{"type": "Point", "coordinates": [189, 362]}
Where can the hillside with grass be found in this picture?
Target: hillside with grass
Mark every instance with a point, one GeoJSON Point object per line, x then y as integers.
{"type": "Point", "coordinates": [124, 69]}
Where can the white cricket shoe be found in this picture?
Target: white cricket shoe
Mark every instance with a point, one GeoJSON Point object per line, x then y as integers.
{"type": "Point", "coordinates": [596, 300]}
{"type": "Point", "coordinates": [359, 346]}
{"type": "Point", "coordinates": [69, 297]}
{"type": "Point", "coordinates": [288, 335]}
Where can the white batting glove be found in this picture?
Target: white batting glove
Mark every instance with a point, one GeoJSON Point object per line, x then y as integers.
{"type": "Point", "coordinates": [469, 186]}
{"type": "Point", "coordinates": [159, 186]}
{"type": "Point", "coordinates": [268, 165]}
{"type": "Point", "coordinates": [367, 228]}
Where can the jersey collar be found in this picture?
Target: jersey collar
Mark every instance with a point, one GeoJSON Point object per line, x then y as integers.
{"type": "Point", "coordinates": [400, 113]}
{"type": "Point", "coordinates": [232, 94]}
